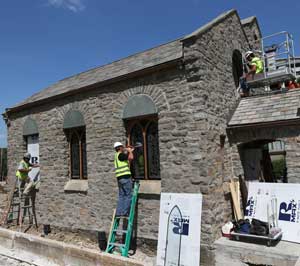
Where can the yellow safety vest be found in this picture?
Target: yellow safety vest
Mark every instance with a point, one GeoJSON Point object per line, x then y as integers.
{"type": "Point", "coordinates": [258, 63]}
{"type": "Point", "coordinates": [121, 167]}
{"type": "Point", "coordinates": [23, 176]}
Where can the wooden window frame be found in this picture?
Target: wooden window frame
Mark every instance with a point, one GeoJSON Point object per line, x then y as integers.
{"type": "Point", "coordinates": [81, 134]}
{"type": "Point", "coordinates": [138, 121]}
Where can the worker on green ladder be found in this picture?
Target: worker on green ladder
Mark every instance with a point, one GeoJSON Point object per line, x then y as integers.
{"type": "Point", "coordinates": [123, 157]}
{"type": "Point", "coordinates": [22, 174]}
{"type": "Point", "coordinates": [255, 63]}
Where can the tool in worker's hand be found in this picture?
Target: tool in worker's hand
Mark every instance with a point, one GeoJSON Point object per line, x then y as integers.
{"type": "Point", "coordinates": [137, 145]}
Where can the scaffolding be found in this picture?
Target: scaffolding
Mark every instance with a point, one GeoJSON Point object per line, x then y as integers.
{"type": "Point", "coordinates": [278, 55]}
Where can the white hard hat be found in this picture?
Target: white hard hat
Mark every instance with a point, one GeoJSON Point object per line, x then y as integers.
{"type": "Point", "coordinates": [248, 53]}
{"type": "Point", "coordinates": [27, 155]}
{"type": "Point", "coordinates": [117, 144]}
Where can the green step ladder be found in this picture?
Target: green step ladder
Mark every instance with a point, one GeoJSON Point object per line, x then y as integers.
{"type": "Point", "coordinates": [123, 248]}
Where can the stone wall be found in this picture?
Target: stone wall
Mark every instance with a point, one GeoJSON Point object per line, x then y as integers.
{"type": "Point", "coordinates": [102, 111]}
{"type": "Point", "coordinates": [289, 134]}
{"type": "Point", "coordinates": [208, 64]}
{"type": "Point", "coordinates": [193, 99]}
{"type": "Point", "coordinates": [253, 34]}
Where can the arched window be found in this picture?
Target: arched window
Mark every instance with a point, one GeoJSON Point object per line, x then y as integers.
{"type": "Point", "coordinates": [146, 163]}
{"type": "Point", "coordinates": [237, 66]}
{"type": "Point", "coordinates": [31, 137]}
{"type": "Point", "coordinates": [74, 127]}
{"type": "Point", "coordinates": [141, 120]}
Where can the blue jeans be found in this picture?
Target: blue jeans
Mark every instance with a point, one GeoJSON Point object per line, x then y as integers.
{"type": "Point", "coordinates": [124, 201]}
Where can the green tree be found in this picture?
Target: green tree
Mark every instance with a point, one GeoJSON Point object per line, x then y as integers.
{"type": "Point", "coordinates": [278, 168]}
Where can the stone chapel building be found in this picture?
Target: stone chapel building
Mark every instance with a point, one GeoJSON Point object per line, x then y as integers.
{"type": "Point", "coordinates": [176, 99]}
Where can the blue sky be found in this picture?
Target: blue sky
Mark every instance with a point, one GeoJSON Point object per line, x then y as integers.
{"type": "Point", "coordinates": [43, 41]}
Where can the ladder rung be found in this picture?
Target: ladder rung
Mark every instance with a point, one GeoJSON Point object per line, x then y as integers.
{"type": "Point", "coordinates": [116, 244]}
{"type": "Point", "coordinates": [122, 217]}
{"type": "Point", "coordinates": [120, 231]}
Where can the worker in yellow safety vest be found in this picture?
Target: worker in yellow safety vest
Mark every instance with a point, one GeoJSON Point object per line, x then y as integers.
{"type": "Point", "coordinates": [255, 63]}
{"type": "Point", "coordinates": [122, 159]}
{"type": "Point", "coordinates": [22, 173]}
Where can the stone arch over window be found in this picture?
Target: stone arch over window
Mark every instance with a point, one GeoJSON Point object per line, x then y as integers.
{"type": "Point", "coordinates": [30, 127]}
{"type": "Point", "coordinates": [139, 105]}
{"type": "Point", "coordinates": [237, 66]}
{"type": "Point", "coordinates": [73, 119]}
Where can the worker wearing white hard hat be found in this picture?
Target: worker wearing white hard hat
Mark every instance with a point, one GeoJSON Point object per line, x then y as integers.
{"type": "Point", "coordinates": [255, 63]}
{"type": "Point", "coordinates": [122, 159]}
{"type": "Point", "coordinates": [117, 144]}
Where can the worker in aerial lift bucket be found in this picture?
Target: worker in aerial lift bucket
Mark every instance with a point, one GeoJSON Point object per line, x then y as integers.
{"type": "Point", "coordinates": [22, 174]}
{"type": "Point", "coordinates": [255, 64]}
{"type": "Point", "coordinates": [123, 157]}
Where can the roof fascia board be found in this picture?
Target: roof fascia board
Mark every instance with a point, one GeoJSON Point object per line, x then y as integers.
{"type": "Point", "coordinates": [265, 124]}
{"type": "Point", "coordinates": [210, 24]}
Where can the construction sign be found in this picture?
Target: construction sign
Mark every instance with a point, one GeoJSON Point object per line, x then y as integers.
{"type": "Point", "coordinates": [179, 229]}
{"type": "Point", "coordinates": [286, 210]}
{"type": "Point", "coordinates": [33, 149]}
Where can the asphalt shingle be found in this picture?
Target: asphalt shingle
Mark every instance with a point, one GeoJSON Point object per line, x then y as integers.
{"type": "Point", "coordinates": [152, 57]}
{"type": "Point", "coordinates": [267, 108]}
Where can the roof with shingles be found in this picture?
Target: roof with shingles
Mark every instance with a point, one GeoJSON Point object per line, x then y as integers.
{"type": "Point", "coordinates": [266, 109]}
{"type": "Point", "coordinates": [149, 58]}
{"type": "Point", "coordinates": [162, 54]}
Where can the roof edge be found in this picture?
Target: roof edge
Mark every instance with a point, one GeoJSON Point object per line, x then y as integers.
{"type": "Point", "coordinates": [250, 20]}
{"type": "Point", "coordinates": [210, 24]}
{"type": "Point", "coordinates": [264, 124]}
{"type": "Point", "coordinates": [93, 86]}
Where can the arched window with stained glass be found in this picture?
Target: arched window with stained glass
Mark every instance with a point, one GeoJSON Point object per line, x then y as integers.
{"type": "Point", "coordinates": [146, 158]}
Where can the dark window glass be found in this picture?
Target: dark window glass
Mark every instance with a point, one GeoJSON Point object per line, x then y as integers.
{"type": "Point", "coordinates": [75, 159]}
{"type": "Point", "coordinates": [146, 158]}
{"type": "Point", "coordinates": [78, 158]}
{"type": "Point", "coordinates": [153, 151]}
{"type": "Point", "coordinates": [84, 157]}
{"type": "Point", "coordinates": [138, 164]}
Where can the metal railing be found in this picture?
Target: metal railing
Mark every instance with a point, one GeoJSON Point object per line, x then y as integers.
{"type": "Point", "coordinates": [279, 64]}
{"type": "Point", "coordinates": [280, 60]}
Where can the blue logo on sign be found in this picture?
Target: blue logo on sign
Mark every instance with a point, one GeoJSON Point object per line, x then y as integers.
{"type": "Point", "coordinates": [249, 207]}
{"type": "Point", "coordinates": [181, 226]}
{"type": "Point", "coordinates": [287, 212]}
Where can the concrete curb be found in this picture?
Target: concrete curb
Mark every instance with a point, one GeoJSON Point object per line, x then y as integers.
{"type": "Point", "coordinates": [237, 253]}
{"type": "Point", "coordinates": [45, 252]}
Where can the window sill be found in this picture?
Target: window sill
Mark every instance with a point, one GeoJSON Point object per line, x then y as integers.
{"type": "Point", "coordinates": [150, 187]}
{"type": "Point", "coordinates": [75, 185]}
